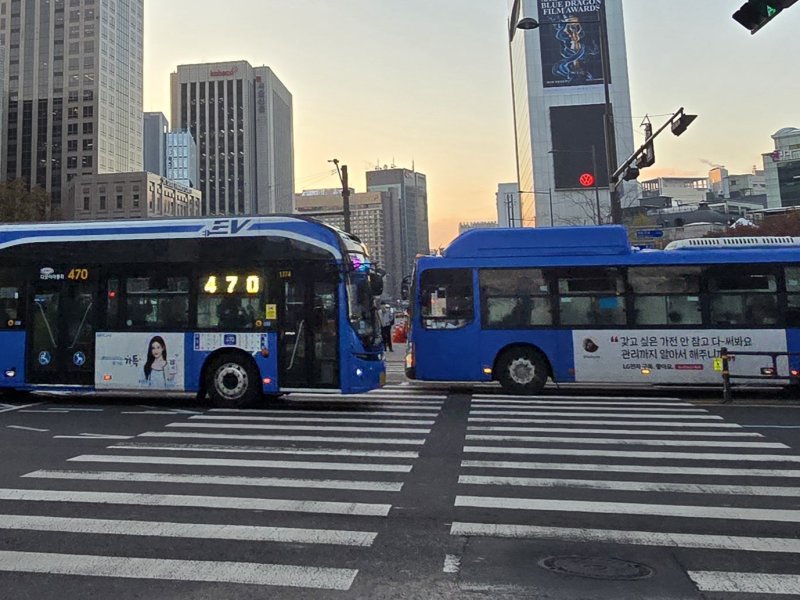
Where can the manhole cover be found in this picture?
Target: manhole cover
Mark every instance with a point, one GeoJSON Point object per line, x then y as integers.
{"type": "Point", "coordinates": [597, 567]}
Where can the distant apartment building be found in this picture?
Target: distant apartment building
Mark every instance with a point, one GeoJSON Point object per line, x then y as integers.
{"type": "Point", "coordinates": [410, 188]}
{"type": "Point", "coordinates": [682, 190]}
{"type": "Point", "coordinates": [118, 196]}
{"type": "Point", "coordinates": [155, 127]}
{"type": "Point", "coordinates": [782, 169]}
{"type": "Point", "coordinates": [723, 185]}
{"type": "Point", "coordinates": [182, 161]}
{"type": "Point", "coordinates": [241, 118]}
{"type": "Point", "coordinates": [74, 95]}
{"type": "Point", "coordinates": [510, 210]}
{"type": "Point", "coordinates": [375, 218]}
{"type": "Point", "coordinates": [464, 227]}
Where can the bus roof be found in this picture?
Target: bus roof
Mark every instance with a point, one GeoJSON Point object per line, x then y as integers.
{"type": "Point", "coordinates": [596, 246]}
{"type": "Point", "coordinates": [303, 229]}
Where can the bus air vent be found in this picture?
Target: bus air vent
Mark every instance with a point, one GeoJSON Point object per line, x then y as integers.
{"type": "Point", "coordinates": [734, 242]}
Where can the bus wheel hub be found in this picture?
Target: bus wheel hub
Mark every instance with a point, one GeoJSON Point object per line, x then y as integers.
{"type": "Point", "coordinates": [522, 371]}
{"type": "Point", "coordinates": [231, 380]}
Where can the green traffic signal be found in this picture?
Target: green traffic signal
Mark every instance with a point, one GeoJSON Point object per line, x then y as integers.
{"type": "Point", "coordinates": [756, 13]}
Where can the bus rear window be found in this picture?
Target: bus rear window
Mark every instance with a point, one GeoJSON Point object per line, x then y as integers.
{"type": "Point", "coordinates": [446, 298]}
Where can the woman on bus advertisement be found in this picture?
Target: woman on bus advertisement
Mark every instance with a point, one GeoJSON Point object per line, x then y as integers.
{"type": "Point", "coordinates": [159, 371]}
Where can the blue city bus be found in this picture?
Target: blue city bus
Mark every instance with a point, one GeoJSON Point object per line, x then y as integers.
{"type": "Point", "coordinates": [580, 304]}
{"type": "Point", "coordinates": [232, 308]}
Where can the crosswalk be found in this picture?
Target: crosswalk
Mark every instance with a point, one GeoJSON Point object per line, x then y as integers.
{"type": "Point", "coordinates": [290, 483]}
{"type": "Point", "coordinates": [654, 472]}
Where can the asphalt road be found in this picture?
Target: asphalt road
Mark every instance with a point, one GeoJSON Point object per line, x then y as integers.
{"type": "Point", "coordinates": [407, 493]}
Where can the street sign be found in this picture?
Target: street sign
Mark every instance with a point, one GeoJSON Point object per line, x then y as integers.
{"type": "Point", "coordinates": [643, 234]}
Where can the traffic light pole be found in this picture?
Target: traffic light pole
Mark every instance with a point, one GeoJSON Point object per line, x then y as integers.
{"type": "Point", "coordinates": [608, 126]}
{"type": "Point", "coordinates": [680, 117]}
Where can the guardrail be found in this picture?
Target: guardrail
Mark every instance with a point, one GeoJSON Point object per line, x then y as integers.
{"type": "Point", "coordinates": [770, 373]}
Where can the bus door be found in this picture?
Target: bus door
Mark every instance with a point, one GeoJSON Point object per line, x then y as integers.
{"type": "Point", "coordinates": [62, 325]}
{"type": "Point", "coordinates": [307, 329]}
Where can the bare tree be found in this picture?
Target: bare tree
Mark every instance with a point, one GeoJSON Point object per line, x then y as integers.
{"type": "Point", "coordinates": [584, 205]}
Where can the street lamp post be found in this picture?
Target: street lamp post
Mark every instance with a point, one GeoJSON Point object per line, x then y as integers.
{"type": "Point", "coordinates": [343, 178]}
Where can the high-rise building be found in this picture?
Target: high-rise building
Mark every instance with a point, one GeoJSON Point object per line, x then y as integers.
{"type": "Point", "coordinates": [411, 190]}
{"type": "Point", "coordinates": [182, 164]}
{"type": "Point", "coordinates": [782, 169]}
{"type": "Point", "coordinates": [375, 219]}
{"type": "Point", "coordinates": [155, 143]}
{"type": "Point", "coordinates": [241, 118]}
{"type": "Point", "coordinates": [74, 89]}
{"type": "Point", "coordinates": [559, 106]}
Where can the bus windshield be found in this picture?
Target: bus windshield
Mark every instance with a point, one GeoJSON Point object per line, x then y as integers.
{"type": "Point", "coordinates": [362, 309]}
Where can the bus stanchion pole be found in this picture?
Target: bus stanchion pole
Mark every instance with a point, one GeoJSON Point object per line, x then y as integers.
{"type": "Point", "coordinates": [726, 377]}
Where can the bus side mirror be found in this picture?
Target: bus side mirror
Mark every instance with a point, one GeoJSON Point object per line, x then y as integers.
{"type": "Point", "coordinates": [376, 284]}
{"type": "Point", "coordinates": [405, 288]}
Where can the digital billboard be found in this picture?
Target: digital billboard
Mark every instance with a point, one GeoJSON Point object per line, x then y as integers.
{"type": "Point", "coordinates": [570, 41]}
{"type": "Point", "coordinates": [575, 129]}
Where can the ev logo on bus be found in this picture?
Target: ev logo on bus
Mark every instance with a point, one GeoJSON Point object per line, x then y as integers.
{"type": "Point", "coordinates": [226, 227]}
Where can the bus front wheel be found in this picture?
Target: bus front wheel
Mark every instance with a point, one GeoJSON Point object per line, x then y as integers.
{"type": "Point", "coordinates": [522, 371]}
{"type": "Point", "coordinates": [233, 381]}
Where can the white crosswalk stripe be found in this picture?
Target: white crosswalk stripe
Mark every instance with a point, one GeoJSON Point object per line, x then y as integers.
{"type": "Point", "coordinates": [531, 466]}
{"type": "Point", "coordinates": [746, 583]}
{"type": "Point", "coordinates": [312, 459]}
{"type": "Point", "coordinates": [177, 570]}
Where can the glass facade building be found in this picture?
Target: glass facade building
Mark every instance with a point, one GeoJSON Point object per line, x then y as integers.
{"type": "Point", "coordinates": [74, 89]}
{"type": "Point", "coordinates": [241, 119]}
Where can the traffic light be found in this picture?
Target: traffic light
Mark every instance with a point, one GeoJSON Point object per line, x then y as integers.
{"type": "Point", "coordinates": [631, 173]}
{"type": "Point", "coordinates": [680, 125]}
{"type": "Point", "coordinates": [756, 13]}
{"type": "Point", "coordinates": [648, 157]}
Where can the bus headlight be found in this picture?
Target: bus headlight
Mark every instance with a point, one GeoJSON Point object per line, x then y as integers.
{"type": "Point", "coordinates": [11, 373]}
{"type": "Point", "coordinates": [359, 372]}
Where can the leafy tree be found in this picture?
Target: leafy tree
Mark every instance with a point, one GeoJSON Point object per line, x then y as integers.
{"type": "Point", "coordinates": [18, 203]}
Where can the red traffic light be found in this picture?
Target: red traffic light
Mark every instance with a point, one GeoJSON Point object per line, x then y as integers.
{"type": "Point", "coordinates": [587, 180]}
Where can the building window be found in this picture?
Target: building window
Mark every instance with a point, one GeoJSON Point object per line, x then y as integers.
{"type": "Point", "coordinates": [119, 202]}
{"type": "Point", "coordinates": [86, 202]}
{"type": "Point", "coordinates": [102, 202]}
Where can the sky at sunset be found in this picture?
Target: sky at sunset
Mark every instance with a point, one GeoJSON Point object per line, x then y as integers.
{"type": "Point", "coordinates": [427, 82]}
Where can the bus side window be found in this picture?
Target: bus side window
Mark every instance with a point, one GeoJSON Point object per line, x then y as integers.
{"type": "Point", "coordinates": [9, 302]}
{"type": "Point", "coordinates": [515, 298]}
{"type": "Point", "coordinates": [666, 295]}
{"type": "Point", "coordinates": [745, 296]}
{"type": "Point", "coordinates": [446, 298]}
{"type": "Point", "coordinates": [591, 296]}
{"type": "Point", "coordinates": [792, 296]}
{"type": "Point", "coordinates": [157, 302]}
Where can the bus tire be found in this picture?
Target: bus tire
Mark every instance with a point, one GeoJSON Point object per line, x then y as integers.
{"type": "Point", "coordinates": [522, 371]}
{"type": "Point", "coordinates": [233, 381]}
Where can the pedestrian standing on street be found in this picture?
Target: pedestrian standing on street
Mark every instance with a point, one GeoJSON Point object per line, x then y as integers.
{"type": "Point", "coordinates": [387, 320]}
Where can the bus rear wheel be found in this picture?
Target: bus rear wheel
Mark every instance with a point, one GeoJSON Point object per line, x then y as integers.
{"type": "Point", "coordinates": [233, 381]}
{"type": "Point", "coordinates": [522, 371]}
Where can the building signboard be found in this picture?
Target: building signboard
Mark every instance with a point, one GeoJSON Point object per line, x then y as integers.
{"type": "Point", "coordinates": [570, 42]}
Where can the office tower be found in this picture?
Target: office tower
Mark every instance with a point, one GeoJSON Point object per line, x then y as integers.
{"type": "Point", "coordinates": [241, 119]}
{"type": "Point", "coordinates": [74, 89]}
{"type": "Point", "coordinates": [155, 142]}
{"type": "Point", "coordinates": [182, 164]}
{"type": "Point", "coordinates": [375, 219]}
{"type": "Point", "coordinates": [411, 190]}
{"type": "Point", "coordinates": [559, 101]}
